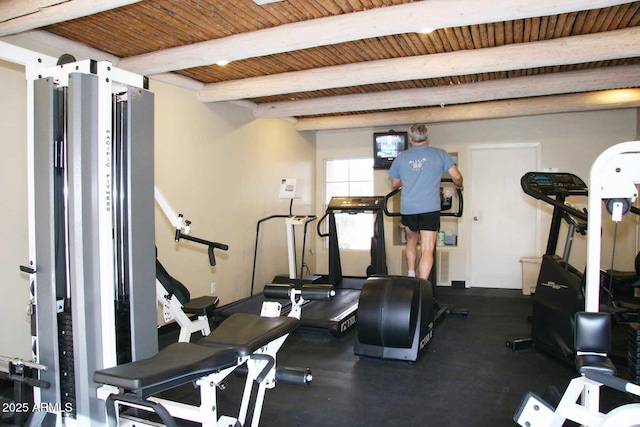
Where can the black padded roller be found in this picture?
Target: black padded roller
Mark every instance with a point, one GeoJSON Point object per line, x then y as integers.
{"type": "Point", "coordinates": [318, 292]}
{"type": "Point", "coordinates": [294, 376]}
{"type": "Point", "coordinates": [278, 290]}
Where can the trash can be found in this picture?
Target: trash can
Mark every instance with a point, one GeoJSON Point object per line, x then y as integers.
{"type": "Point", "coordinates": [530, 272]}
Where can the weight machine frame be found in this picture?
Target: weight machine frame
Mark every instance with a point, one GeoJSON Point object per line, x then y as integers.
{"type": "Point", "coordinates": [88, 243]}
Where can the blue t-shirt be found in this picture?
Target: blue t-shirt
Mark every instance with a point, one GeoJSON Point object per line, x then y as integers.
{"type": "Point", "coordinates": [420, 169]}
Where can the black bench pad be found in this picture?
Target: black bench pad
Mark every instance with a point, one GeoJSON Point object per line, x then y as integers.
{"type": "Point", "coordinates": [595, 363]}
{"type": "Point", "coordinates": [246, 333]}
{"type": "Point", "coordinates": [176, 364]}
{"type": "Point", "coordinates": [201, 306]}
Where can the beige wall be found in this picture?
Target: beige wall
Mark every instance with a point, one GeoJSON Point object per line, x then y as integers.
{"type": "Point", "coordinates": [569, 142]}
{"type": "Point", "coordinates": [214, 164]}
{"type": "Point", "coordinates": [14, 250]}
{"type": "Point", "coordinates": [222, 170]}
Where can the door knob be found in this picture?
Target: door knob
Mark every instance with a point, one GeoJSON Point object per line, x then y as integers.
{"type": "Point", "coordinates": [475, 218]}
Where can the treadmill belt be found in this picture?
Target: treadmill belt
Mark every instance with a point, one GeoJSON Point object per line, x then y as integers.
{"type": "Point", "coordinates": [352, 282]}
{"type": "Point", "coordinates": [251, 305]}
{"type": "Point", "coordinates": [337, 315]}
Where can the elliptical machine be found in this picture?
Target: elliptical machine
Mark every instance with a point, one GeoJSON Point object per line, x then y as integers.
{"type": "Point", "coordinates": [560, 287]}
{"type": "Point", "coordinates": [397, 314]}
{"type": "Point", "coordinates": [614, 178]}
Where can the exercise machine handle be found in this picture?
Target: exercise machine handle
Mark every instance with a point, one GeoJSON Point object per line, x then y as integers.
{"type": "Point", "coordinates": [580, 227]}
{"type": "Point", "coordinates": [613, 382]}
{"type": "Point", "coordinates": [210, 245]}
{"type": "Point", "coordinates": [180, 224]}
{"type": "Point", "coordinates": [385, 206]}
{"type": "Point", "coordinates": [319, 226]}
{"type": "Point", "coordinates": [458, 214]}
{"type": "Point", "coordinates": [562, 206]}
{"type": "Point", "coordinates": [31, 382]}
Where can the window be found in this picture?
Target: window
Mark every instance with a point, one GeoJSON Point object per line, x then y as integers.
{"type": "Point", "coordinates": [351, 177]}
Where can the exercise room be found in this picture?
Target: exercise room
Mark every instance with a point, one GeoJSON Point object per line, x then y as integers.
{"type": "Point", "coordinates": [316, 213]}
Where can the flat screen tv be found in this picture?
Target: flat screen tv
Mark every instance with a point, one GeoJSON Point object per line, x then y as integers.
{"type": "Point", "coordinates": [387, 146]}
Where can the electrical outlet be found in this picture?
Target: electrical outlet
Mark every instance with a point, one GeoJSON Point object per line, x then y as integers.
{"type": "Point", "coordinates": [213, 288]}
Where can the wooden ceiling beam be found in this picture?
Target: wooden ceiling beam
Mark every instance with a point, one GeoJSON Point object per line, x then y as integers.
{"type": "Point", "coordinates": [604, 46]}
{"type": "Point", "coordinates": [592, 101]}
{"type": "Point", "coordinates": [382, 21]}
{"type": "Point", "coordinates": [23, 15]}
{"type": "Point", "coordinates": [82, 51]}
{"type": "Point", "coordinates": [517, 87]}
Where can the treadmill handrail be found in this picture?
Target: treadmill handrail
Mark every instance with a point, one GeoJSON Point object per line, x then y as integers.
{"type": "Point", "coordinates": [458, 214]}
{"type": "Point", "coordinates": [319, 225]}
{"type": "Point", "coordinates": [255, 249]}
{"type": "Point", "coordinates": [385, 206]}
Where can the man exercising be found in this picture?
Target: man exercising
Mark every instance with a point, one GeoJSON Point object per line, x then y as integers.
{"type": "Point", "coordinates": [419, 171]}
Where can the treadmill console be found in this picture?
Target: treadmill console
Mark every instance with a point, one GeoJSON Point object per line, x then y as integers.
{"type": "Point", "coordinates": [553, 183]}
{"type": "Point", "coordinates": [356, 204]}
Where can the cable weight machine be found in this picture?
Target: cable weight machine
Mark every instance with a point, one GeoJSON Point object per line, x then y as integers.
{"type": "Point", "coordinates": [91, 230]}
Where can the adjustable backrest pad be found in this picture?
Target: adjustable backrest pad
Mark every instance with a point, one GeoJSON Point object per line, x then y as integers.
{"type": "Point", "coordinates": [173, 286]}
{"type": "Point", "coordinates": [593, 332]}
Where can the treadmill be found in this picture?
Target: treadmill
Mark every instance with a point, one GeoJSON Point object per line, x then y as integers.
{"type": "Point", "coordinates": [339, 314]}
{"type": "Point", "coordinates": [253, 303]}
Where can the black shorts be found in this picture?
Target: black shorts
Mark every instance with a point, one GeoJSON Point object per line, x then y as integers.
{"type": "Point", "coordinates": [429, 221]}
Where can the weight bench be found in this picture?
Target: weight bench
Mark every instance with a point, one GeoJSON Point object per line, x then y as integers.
{"type": "Point", "coordinates": [177, 304]}
{"type": "Point", "coordinates": [246, 340]}
{"type": "Point", "coordinates": [580, 401]}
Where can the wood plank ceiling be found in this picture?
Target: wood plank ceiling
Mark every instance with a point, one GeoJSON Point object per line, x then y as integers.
{"type": "Point", "coordinates": [481, 61]}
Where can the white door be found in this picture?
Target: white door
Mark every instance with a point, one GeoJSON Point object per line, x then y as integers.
{"type": "Point", "coordinates": [503, 219]}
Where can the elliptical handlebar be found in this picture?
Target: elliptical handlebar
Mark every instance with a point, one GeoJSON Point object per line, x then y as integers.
{"type": "Point", "coordinates": [457, 214]}
{"type": "Point", "coordinates": [579, 226]}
